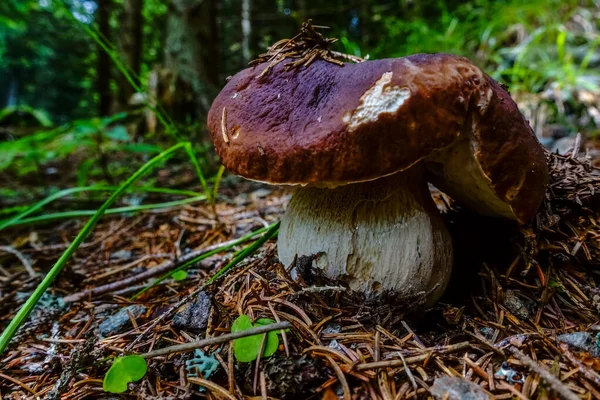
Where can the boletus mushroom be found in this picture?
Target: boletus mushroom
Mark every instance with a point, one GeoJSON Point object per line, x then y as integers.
{"type": "Point", "coordinates": [361, 142]}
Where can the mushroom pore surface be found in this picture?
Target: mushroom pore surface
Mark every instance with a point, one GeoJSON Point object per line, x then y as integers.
{"type": "Point", "coordinates": [378, 236]}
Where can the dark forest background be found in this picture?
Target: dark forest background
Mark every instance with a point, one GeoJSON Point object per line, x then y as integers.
{"type": "Point", "coordinates": [88, 88]}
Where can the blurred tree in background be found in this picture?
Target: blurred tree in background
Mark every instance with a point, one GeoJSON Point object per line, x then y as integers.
{"type": "Point", "coordinates": [45, 60]}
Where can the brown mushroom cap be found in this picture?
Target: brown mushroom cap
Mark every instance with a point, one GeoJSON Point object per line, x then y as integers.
{"type": "Point", "coordinates": [329, 125]}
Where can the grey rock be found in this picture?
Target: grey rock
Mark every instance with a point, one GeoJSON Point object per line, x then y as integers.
{"type": "Point", "coordinates": [47, 303]}
{"type": "Point", "coordinates": [333, 327]}
{"type": "Point", "coordinates": [334, 345]}
{"type": "Point", "coordinates": [194, 317]}
{"type": "Point", "coordinates": [120, 320]}
{"type": "Point", "coordinates": [121, 254]}
{"type": "Point", "coordinates": [582, 341]}
{"type": "Point", "coordinates": [260, 194]}
{"type": "Point", "coordinates": [455, 388]}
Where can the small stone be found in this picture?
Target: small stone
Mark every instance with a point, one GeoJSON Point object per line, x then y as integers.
{"type": "Point", "coordinates": [48, 301]}
{"type": "Point", "coordinates": [194, 317]}
{"type": "Point", "coordinates": [118, 321]}
{"type": "Point", "coordinates": [241, 199]}
{"type": "Point", "coordinates": [260, 194]}
{"type": "Point", "coordinates": [121, 254]}
{"type": "Point", "coordinates": [582, 341]}
{"type": "Point", "coordinates": [455, 388]}
{"type": "Point", "coordinates": [515, 305]}
{"type": "Point", "coordinates": [335, 345]}
{"type": "Point", "coordinates": [332, 328]}
{"type": "Point", "coordinates": [487, 332]}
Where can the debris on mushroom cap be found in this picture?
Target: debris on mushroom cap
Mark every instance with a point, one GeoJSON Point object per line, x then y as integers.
{"type": "Point", "coordinates": [330, 125]}
{"type": "Point", "coordinates": [304, 48]}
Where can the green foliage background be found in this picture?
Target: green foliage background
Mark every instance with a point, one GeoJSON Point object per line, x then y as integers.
{"type": "Point", "coordinates": [49, 61]}
{"type": "Point", "coordinates": [41, 44]}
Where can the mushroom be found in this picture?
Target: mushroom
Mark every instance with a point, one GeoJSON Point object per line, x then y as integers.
{"type": "Point", "coordinates": [361, 142]}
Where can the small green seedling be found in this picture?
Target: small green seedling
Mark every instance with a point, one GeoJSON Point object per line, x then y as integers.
{"type": "Point", "coordinates": [246, 349]}
{"type": "Point", "coordinates": [179, 275]}
{"type": "Point", "coordinates": [124, 370]}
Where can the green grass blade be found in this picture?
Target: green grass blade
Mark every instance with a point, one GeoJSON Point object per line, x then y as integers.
{"type": "Point", "coordinates": [190, 152]}
{"type": "Point", "coordinates": [63, 193]}
{"type": "Point", "coordinates": [26, 309]}
{"type": "Point", "coordinates": [217, 182]}
{"type": "Point", "coordinates": [203, 256]}
{"type": "Point", "coordinates": [110, 211]}
{"type": "Point", "coordinates": [39, 205]}
{"type": "Point", "coordinates": [13, 210]}
{"type": "Point", "coordinates": [272, 232]}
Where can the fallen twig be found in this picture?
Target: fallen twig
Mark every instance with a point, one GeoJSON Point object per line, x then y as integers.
{"type": "Point", "coordinates": [553, 382]}
{"type": "Point", "coordinates": [414, 359]}
{"type": "Point", "coordinates": [21, 257]}
{"type": "Point", "coordinates": [161, 269]}
{"type": "Point", "coordinates": [213, 387]}
{"type": "Point", "coordinates": [585, 370]}
{"type": "Point", "coordinates": [18, 383]}
{"type": "Point", "coordinates": [218, 339]}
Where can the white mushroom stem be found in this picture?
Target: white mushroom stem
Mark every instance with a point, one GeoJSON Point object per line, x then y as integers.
{"type": "Point", "coordinates": [382, 235]}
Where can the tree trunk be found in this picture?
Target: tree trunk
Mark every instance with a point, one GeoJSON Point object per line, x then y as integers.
{"type": "Point", "coordinates": [12, 94]}
{"type": "Point", "coordinates": [103, 66]}
{"type": "Point", "coordinates": [130, 40]}
{"type": "Point", "coordinates": [192, 50]}
{"type": "Point", "coordinates": [246, 29]}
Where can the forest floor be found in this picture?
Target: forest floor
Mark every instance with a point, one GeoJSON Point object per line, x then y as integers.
{"type": "Point", "coordinates": [511, 331]}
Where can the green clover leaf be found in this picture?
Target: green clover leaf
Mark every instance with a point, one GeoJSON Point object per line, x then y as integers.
{"type": "Point", "coordinates": [246, 349]}
{"type": "Point", "coordinates": [179, 275]}
{"type": "Point", "coordinates": [124, 370]}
